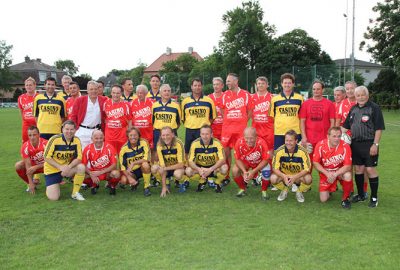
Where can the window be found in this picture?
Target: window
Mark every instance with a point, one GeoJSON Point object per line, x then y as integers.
{"type": "Point", "coordinates": [54, 75]}
{"type": "Point", "coordinates": [42, 76]}
{"type": "Point", "coordinates": [367, 71]}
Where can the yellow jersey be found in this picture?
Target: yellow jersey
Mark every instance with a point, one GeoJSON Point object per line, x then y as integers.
{"type": "Point", "coordinates": [49, 112]}
{"type": "Point", "coordinates": [168, 114]}
{"type": "Point", "coordinates": [129, 154]}
{"type": "Point", "coordinates": [171, 155]}
{"type": "Point", "coordinates": [206, 155]}
{"type": "Point", "coordinates": [285, 111]}
{"type": "Point", "coordinates": [196, 113]}
{"type": "Point", "coordinates": [291, 163]}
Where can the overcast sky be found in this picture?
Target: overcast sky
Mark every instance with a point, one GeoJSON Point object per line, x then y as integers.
{"type": "Point", "coordinates": [102, 35]}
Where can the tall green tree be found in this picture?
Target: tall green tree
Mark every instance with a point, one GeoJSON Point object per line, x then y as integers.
{"type": "Point", "coordinates": [82, 80]}
{"type": "Point", "coordinates": [385, 34]}
{"type": "Point", "coordinates": [67, 66]}
{"type": "Point", "coordinates": [6, 75]}
{"type": "Point", "coordinates": [386, 81]}
{"type": "Point", "coordinates": [245, 37]}
{"type": "Point", "coordinates": [135, 74]}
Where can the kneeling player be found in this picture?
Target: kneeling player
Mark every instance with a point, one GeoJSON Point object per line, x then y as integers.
{"type": "Point", "coordinates": [251, 154]}
{"type": "Point", "coordinates": [170, 153]}
{"type": "Point", "coordinates": [62, 158]}
{"type": "Point", "coordinates": [32, 158]}
{"type": "Point", "coordinates": [332, 158]}
{"type": "Point", "coordinates": [291, 165]}
{"type": "Point", "coordinates": [207, 160]}
{"type": "Point", "coordinates": [134, 159]}
{"type": "Point", "coordinates": [101, 163]}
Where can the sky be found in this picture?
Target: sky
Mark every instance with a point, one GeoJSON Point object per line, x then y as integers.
{"type": "Point", "coordinates": [103, 35]}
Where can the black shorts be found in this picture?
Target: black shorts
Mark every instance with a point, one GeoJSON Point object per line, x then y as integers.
{"type": "Point", "coordinates": [191, 135]}
{"type": "Point", "coordinates": [361, 156]}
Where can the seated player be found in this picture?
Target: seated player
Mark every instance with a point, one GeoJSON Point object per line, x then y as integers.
{"type": "Point", "coordinates": [170, 153]}
{"type": "Point", "coordinates": [251, 154]}
{"type": "Point", "coordinates": [134, 159]}
{"type": "Point", "coordinates": [291, 166]}
{"type": "Point", "coordinates": [62, 158]}
{"type": "Point", "coordinates": [332, 158]}
{"type": "Point", "coordinates": [32, 158]}
{"type": "Point", "coordinates": [100, 160]}
{"type": "Point", "coordinates": [206, 160]}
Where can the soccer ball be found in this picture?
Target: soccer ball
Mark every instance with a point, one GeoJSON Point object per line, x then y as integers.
{"type": "Point", "coordinates": [346, 138]}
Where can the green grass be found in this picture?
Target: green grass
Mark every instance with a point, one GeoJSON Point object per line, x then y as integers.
{"type": "Point", "coordinates": [195, 231]}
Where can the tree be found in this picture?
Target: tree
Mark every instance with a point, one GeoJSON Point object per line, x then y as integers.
{"type": "Point", "coordinates": [386, 81]}
{"type": "Point", "coordinates": [385, 34]}
{"type": "Point", "coordinates": [82, 80]}
{"type": "Point", "coordinates": [135, 74]}
{"type": "Point", "coordinates": [67, 66]}
{"type": "Point", "coordinates": [245, 37]}
{"type": "Point", "coordinates": [6, 75]}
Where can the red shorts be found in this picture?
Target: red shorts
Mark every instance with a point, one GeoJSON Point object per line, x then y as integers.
{"type": "Point", "coordinates": [269, 139]}
{"type": "Point", "coordinates": [324, 185]}
{"type": "Point", "coordinates": [147, 133]}
{"type": "Point", "coordinates": [102, 177]}
{"type": "Point", "coordinates": [229, 139]}
{"type": "Point", "coordinates": [117, 145]}
{"type": "Point", "coordinates": [217, 132]}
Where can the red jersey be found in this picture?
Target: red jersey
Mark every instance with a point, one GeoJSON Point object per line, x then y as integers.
{"type": "Point", "coordinates": [332, 158]}
{"type": "Point", "coordinates": [344, 109]}
{"type": "Point", "coordinates": [70, 105]}
{"type": "Point", "coordinates": [251, 156]}
{"type": "Point", "coordinates": [141, 113]}
{"type": "Point", "coordinates": [35, 154]}
{"type": "Point", "coordinates": [25, 105]}
{"type": "Point", "coordinates": [235, 106]}
{"type": "Point", "coordinates": [98, 159]}
{"type": "Point", "coordinates": [262, 122]}
{"type": "Point", "coordinates": [318, 115]}
{"type": "Point", "coordinates": [217, 123]}
{"type": "Point", "coordinates": [117, 116]}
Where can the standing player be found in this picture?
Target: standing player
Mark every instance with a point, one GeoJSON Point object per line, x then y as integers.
{"type": "Point", "coordinates": [347, 103]}
{"type": "Point", "coordinates": [339, 94]}
{"type": "Point", "coordinates": [134, 159]}
{"type": "Point", "coordinates": [25, 105]}
{"type": "Point", "coordinates": [127, 94]}
{"type": "Point", "coordinates": [100, 88]}
{"type": "Point", "coordinates": [332, 158]}
{"type": "Point", "coordinates": [365, 120]}
{"type": "Point", "coordinates": [206, 160]}
{"type": "Point", "coordinates": [317, 115]}
{"type": "Point", "coordinates": [170, 151]}
{"type": "Point", "coordinates": [117, 117]}
{"type": "Point", "coordinates": [65, 81]}
{"type": "Point", "coordinates": [236, 105]}
{"type": "Point", "coordinates": [49, 110]}
{"type": "Point", "coordinates": [291, 165]}
{"type": "Point", "coordinates": [218, 85]}
{"type": "Point", "coordinates": [197, 110]}
{"type": "Point", "coordinates": [101, 163]}
{"type": "Point", "coordinates": [285, 109]}
{"type": "Point", "coordinates": [62, 158]}
{"type": "Point", "coordinates": [154, 92]}
{"type": "Point", "coordinates": [74, 93]}
{"type": "Point", "coordinates": [251, 155]}
{"type": "Point", "coordinates": [32, 158]}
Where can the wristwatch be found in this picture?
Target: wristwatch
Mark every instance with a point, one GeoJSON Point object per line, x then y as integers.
{"type": "Point", "coordinates": [376, 144]}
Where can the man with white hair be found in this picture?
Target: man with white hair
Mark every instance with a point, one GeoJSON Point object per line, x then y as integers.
{"type": "Point", "coordinates": [65, 81]}
{"type": "Point", "coordinates": [365, 120]}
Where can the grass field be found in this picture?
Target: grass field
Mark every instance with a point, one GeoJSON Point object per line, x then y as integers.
{"type": "Point", "coordinates": [196, 231]}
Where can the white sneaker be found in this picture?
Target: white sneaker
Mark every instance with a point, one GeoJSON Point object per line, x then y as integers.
{"type": "Point", "coordinates": [283, 195]}
{"type": "Point", "coordinates": [294, 188]}
{"type": "Point", "coordinates": [299, 196]}
{"type": "Point", "coordinates": [77, 196]}
{"type": "Point", "coordinates": [274, 188]}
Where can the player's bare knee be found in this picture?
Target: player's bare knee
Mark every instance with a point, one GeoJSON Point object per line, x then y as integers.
{"type": "Point", "coordinates": [154, 169]}
{"type": "Point", "coordinates": [371, 172]}
{"type": "Point", "coordinates": [274, 178]}
{"type": "Point", "coordinates": [19, 165]}
{"type": "Point", "coordinates": [80, 168]}
{"type": "Point", "coordinates": [307, 179]}
{"type": "Point", "coordinates": [145, 167]}
{"type": "Point", "coordinates": [189, 172]}
{"type": "Point", "coordinates": [235, 171]}
{"type": "Point", "coordinates": [224, 169]}
{"type": "Point", "coordinates": [115, 174]}
{"type": "Point", "coordinates": [178, 174]}
{"type": "Point", "coordinates": [347, 176]}
{"type": "Point", "coordinates": [123, 180]}
{"type": "Point", "coordinates": [323, 197]}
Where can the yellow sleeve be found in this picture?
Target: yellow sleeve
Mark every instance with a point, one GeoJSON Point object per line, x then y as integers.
{"type": "Point", "coordinates": [191, 152]}
{"type": "Point", "coordinates": [183, 110]}
{"type": "Point", "coordinates": [307, 163]}
{"type": "Point", "coordinates": [147, 152]}
{"type": "Point", "coordinates": [121, 159]}
{"type": "Point", "coordinates": [180, 154]}
{"type": "Point", "coordinates": [275, 161]}
{"type": "Point", "coordinates": [272, 108]}
{"type": "Point", "coordinates": [221, 153]}
{"type": "Point", "coordinates": [78, 148]}
{"type": "Point", "coordinates": [180, 115]}
{"type": "Point", "coordinates": [213, 110]}
{"type": "Point", "coordinates": [48, 152]}
{"type": "Point", "coordinates": [35, 106]}
{"type": "Point", "coordinates": [160, 156]}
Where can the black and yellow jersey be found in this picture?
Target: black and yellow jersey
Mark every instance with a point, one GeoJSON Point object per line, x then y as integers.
{"type": "Point", "coordinates": [206, 155]}
{"type": "Point", "coordinates": [291, 163]}
{"type": "Point", "coordinates": [132, 96]}
{"type": "Point", "coordinates": [168, 114]}
{"type": "Point", "coordinates": [156, 97]}
{"type": "Point", "coordinates": [129, 154]}
{"type": "Point", "coordinates": [196, 113]}
{"type": "Point", "coordinates": [49, 112]}
{"type": "Point", "coordinates": [171, 155]}
{"type": "Point", "coordinates": [62, 152]}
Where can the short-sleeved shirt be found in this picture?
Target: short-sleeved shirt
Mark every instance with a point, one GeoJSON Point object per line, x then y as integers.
{"type": "Point", "coordinates": [317, 115]}
{"type": "Point", "coordinates": [285, 111]}
{"type": "Point", "coordinates": [130, 153]}
{"type": "Point", "coordinates": [25, 105]}
{"type": "Point", "coordinates": [235, 106]}
{"type": "Point", "coordinates": [141, 113]}
{"type": "Point", "coordinates": [218, 121]}
{"type": "Point", "coordinates": [70, 106]}
{"type": "Point", "coordinates": [132, 96]}
{"type": "Point", "coordinates": [171, 155]}
{"type": "Point", "coordinates": [62, 152]}
{"type": "Point", "coordinates": [291, 163]}
{"type": "Point", "coordinates": [364, 121]}
{"type": "Point", "coordinates": [168, 114]}
{"type": "Point", "coordinates": [99, 159]}
{"type": "Point", "coordinates": [117, 117]}
{"type": "Point", "coordinates": [344, 109]}
{"type": "Point", "coordinates": [198, 112]}
{"type": "Point", "coordinates": [50, 112]}
{"type": "Point", "coordinates": [156, 97]}
{"type": "Point", "coordinates": [251, 156]}
{"type": "Point", "coordinates": [206, 155]}
{"type": "Point", "coordinates": [35, 154]}
{"type": "Point", "coordinates": [332, 158]}
{"type": "Point", "coordinates": [262, 121]}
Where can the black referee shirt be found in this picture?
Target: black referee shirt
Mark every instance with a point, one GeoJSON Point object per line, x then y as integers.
{"type": "Point", "coordinates": [364, 121]}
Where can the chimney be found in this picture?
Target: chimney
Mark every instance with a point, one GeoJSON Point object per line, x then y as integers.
{"type": "Point", "coordinates": [39, 60]}
{"type": "Point", "coordinates": [190, 50]}
{"type": "Point", "coordinates": [168, 52]}
{"type": "Point", "coordinates": [27, 59]}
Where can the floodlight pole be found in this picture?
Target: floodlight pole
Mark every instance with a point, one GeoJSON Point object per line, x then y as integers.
{"type": "Point", "coordinates": [345, 42]}
{"type": "Point", "coordinates": [352, 46]}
